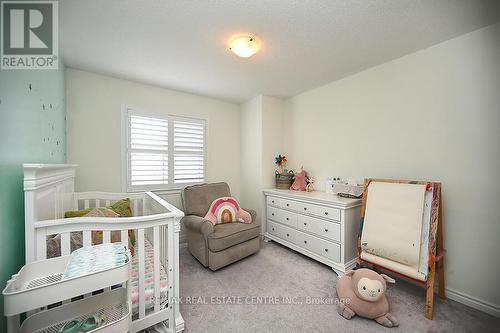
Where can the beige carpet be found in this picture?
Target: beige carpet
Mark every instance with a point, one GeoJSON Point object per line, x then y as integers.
{"type": "Point", "coordinates": [226, 300]}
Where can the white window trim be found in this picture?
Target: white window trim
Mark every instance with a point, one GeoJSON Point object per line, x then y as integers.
{"type": "Point", "coordinates": [171, 187]}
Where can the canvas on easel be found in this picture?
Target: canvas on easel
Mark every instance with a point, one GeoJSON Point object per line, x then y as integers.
{"type": "Point", "coordinates": [401, 231]}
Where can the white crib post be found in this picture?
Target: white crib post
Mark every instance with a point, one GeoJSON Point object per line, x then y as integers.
{"type": "Point", "coordinates": [172, 283]}
{"type": "Point", "coordinates": [29, 221]}
{"type": "Point", "coordinates": [175, 260]}
{"type": "Point", "coordinates": [156, 263]}
{"type": "Point", "coordinates": [140, 255]}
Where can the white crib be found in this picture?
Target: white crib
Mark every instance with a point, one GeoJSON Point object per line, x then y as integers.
{"type": "Point", "coordinates": [49, 193]}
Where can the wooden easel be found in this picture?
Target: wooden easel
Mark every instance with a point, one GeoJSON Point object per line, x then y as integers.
{"type": "Point", "coordinates": [436, 250]}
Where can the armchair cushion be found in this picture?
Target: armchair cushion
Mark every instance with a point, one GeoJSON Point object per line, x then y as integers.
{"type": "Point", "coordinates": [230, 234]}
{"type": "Point", "coordinates": [198, 198]}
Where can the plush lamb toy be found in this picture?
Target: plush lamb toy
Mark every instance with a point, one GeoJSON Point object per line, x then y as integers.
{"type": "Point", "coordinates": [361, 292]}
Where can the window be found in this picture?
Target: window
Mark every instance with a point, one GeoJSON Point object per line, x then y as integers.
{"type": "Point", "coordinates": [163, 152]}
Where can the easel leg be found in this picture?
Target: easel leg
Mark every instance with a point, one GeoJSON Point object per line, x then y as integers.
{"type": "Point", "coordinates": [441, 286]}
{"type": "Point", "coordinates": [429, 301]}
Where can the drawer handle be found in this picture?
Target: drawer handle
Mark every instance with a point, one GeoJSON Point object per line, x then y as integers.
{"type": "Point", "coordinates": [272, 214]}
{"type": "Point", "coordinates": [326, 230]}
{"type": "Point", "coordinates": [326, 250]}
{"type": "Point", "coordinates": [287, 205]}
{"type": "Point", "coordinates": [326, 213]}
{"type": "Point", "coordinates": [287, 235]}
{"type": "Point", "coordinates": [305, 242]}
{"type": "Point", "coordinates": [272, 201]}
{"type": "Point", "coordinates": [273, 229]}
{"type": "Point", "coordinates": [305, 223]}
{"type": "Point", "coordinates": [287, 219]}
{"type": "Point", "coordinates": [305, 208]}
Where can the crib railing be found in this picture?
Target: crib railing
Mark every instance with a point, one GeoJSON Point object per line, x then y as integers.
{"type": "Point", "coordinates": [154, 219]}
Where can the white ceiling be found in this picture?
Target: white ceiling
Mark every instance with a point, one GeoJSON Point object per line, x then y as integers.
{"type": "Point", "coordinates": [182, 44]}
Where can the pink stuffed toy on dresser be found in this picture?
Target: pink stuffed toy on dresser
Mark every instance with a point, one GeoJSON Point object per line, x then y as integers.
{"type": "Point", "coordinates": [300, 181]}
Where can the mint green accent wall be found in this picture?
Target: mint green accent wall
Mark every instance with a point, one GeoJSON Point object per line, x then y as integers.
{"type": "Point", "coordinates": [32, 129]}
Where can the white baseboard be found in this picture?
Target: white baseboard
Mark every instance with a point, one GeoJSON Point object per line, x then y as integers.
{"type": "Point", "coordinates": [473, 302]}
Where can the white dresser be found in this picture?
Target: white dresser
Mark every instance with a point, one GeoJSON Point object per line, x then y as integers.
{"type": "Point", "coordinates": [319, 225]}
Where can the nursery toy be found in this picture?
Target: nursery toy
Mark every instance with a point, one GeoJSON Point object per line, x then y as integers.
{"type": "Point", "coordinates": [300, 181]}
{"type": "Point", "coordinates": [362, 292]}
{"type": "Point", "coordinates": [310, 184]}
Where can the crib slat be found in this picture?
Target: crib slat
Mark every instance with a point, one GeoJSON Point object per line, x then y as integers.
{"type": "Point", "coordinates": [41, 244]}
{"type": "Point", "coordinates": [65, 244]}
{"type": "Point", "coordinates": [108, 203]}
{"type": "Point", "coordinates": [136, 207]}
{"type": "Point", "coordinates": [124, 237]}
{"type": "Point", "coordinates": [87, 238]}
{"type": "Point", "coordinates": [97, 203]}
{"type": "Point", "coordinates": [140, 255]}
{"type": "Point", "coordinates": [86, 204]}
{"type": "Point", "coordinates": [156, 254]}
{"type": "Point", "coordinates": [106, 236]}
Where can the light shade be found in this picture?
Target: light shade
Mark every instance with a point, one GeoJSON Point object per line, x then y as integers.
{"type": "Point", "coordinates": [244, 45]}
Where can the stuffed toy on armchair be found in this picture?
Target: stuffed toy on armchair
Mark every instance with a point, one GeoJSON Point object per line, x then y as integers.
{"type": "Point", "coordinates": [362, 292]}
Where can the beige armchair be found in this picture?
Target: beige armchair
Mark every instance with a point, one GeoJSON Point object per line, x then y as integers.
{"type": "Point", "coordinates": [220, 245]}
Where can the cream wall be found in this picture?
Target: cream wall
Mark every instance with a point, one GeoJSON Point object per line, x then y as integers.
{"type": "Point", "coordinates": [434, 114]}
{"type": "Point", "coordinates": [251, 154]}
{"type": "Point", "coordinates": [261, 141]}
{"type": "Point", "coordinates": [93, 126]}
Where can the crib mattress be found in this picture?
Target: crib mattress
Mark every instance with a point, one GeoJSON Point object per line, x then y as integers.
{"type": "Point", "coordinates": [149, 293]}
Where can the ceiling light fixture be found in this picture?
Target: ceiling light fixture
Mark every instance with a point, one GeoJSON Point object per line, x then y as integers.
{"type": "Point", "coordinates": [244, 45]}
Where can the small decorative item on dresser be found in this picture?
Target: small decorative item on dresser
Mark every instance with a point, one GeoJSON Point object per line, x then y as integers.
{"type": "Point", "coordinates": [284, 178]}
{"type": "Point", "coordinates": [348, 189]}
{"type": "Point", "coordinates": [310, 184]}
{"type": "Point", "coordinates": [299, 181]}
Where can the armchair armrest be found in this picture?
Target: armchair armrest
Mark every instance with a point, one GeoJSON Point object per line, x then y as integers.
{"type": "Point", "coordinates": [253, 214]}
{"type": "Point", "coordinates": [198, 224]}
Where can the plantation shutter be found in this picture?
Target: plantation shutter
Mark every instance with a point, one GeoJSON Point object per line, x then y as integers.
{"type": "Point", "coordinates": [189, 151]}
{"type": "Point", "coordinates": [164, 153]}
{"type": "Point", "coordinates": [148, 151]}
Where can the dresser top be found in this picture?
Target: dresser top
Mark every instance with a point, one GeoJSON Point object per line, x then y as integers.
{"type": "Point", "coordinates": [316, 196]}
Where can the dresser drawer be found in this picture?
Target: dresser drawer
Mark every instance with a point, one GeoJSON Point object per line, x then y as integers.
{"type": "Point", "coordinates": [272, 228]}
{"type": "Point", "coordinates": [287, 233]}
{"type": "Point", "coordinates": [273, 213]}
{"type": "Point", "coordinates": [330, 230]}
{"type": "Point", "coordinates": [322, 211]}
{"type": "Point", "coordinates": [306, 223]}
{"type": "Point", "coordinates": [288, 218]}
{"type": "Point", "coordinates": [305, 241]}
{"type": "Point", "coordinates": [327, 249]}
{"type": "Point", "coordinates": [273, 201]}
{"type": "Point", "coordinates": [289, 204]}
